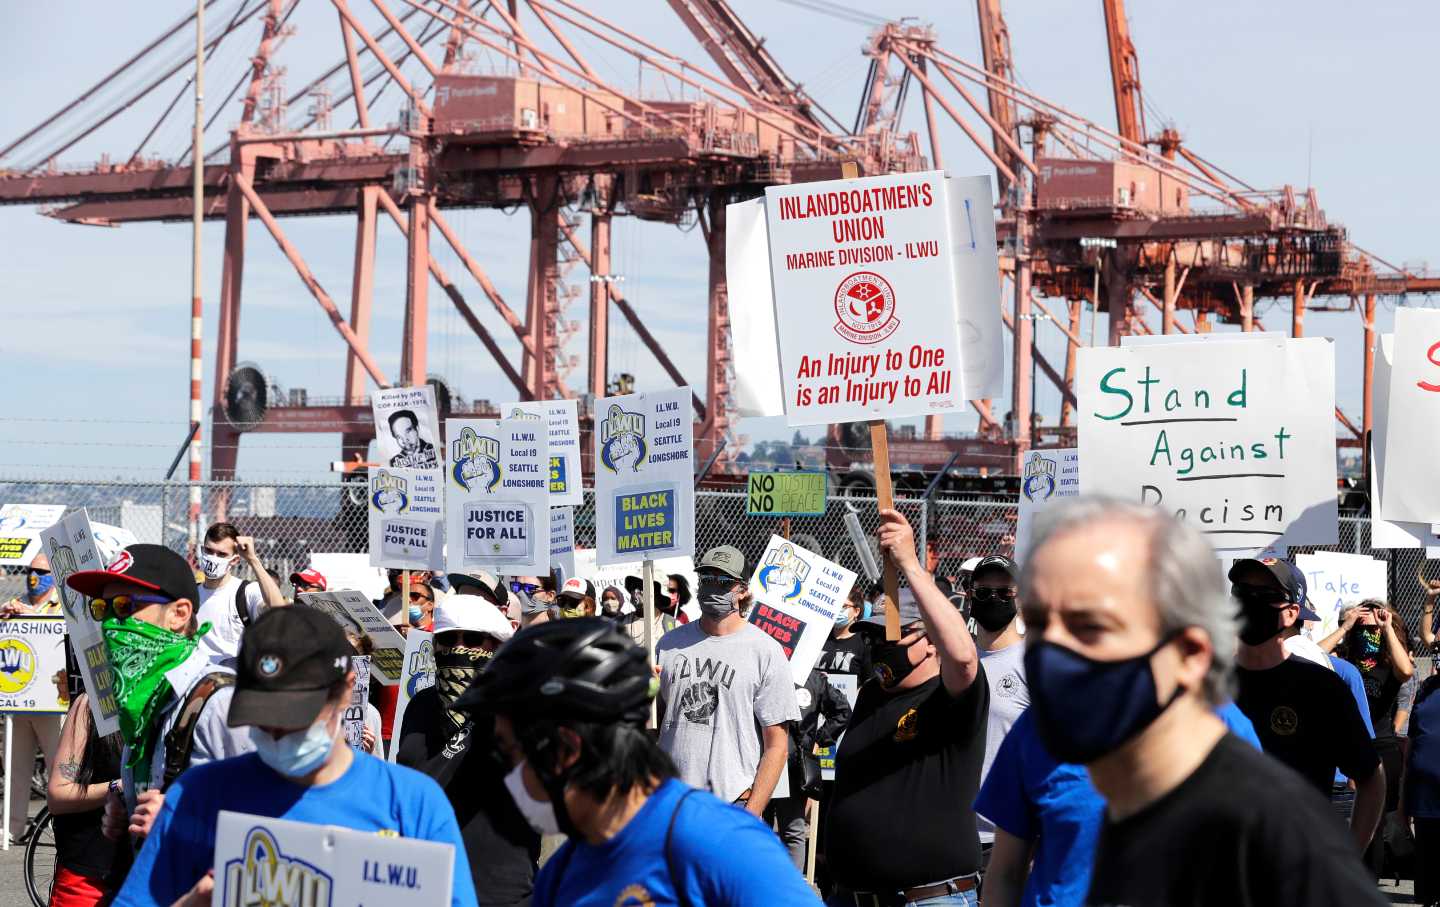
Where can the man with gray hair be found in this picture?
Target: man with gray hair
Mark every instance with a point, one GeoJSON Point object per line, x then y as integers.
{"type": "Point", "coordinates": [1130, 647]}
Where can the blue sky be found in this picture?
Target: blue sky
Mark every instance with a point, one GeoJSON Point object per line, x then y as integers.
{"type": "Point", "coordinates": [95, 342]}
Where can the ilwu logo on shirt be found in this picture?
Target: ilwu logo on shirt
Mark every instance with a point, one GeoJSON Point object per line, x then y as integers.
{"type": "Point", "coordinates": [699, 700]}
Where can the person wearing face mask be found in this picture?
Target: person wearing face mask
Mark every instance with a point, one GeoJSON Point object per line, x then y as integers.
{"type": "Point", "coordinates": [726, 693]}
{"type": "Point", "coordinates": [908, 767]}
{"type": "Point", "coordinates": [172, 700]}
{"type": "Point", "coordinates": [537, 599]}
{"type": "Point", "coordinates": [845, 651]}
{"type": "Point", "coordinates": [293, 682]}
{"type": "Point", "coordinates": [576, 598]}
{"type": "Point", "coordinates": [32, 733]}
{"type": "Point", "coordinates": [1304, 714]}
{"type": "Point", "coordinates": [612, 600]}
{"type": "Point", "coordinates": [1129, 646]}
{"type": "Point", "coordinates": [456, 748]}
{"type": "Point", "coordinates": [227, 603]}
{"type": "Point", "coordinates": [570, 700]}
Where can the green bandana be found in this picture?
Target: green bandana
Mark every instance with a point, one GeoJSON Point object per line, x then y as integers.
{"type": "Point", "coordinates": [141, 654]}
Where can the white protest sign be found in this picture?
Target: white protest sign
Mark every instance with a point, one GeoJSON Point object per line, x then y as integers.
{"type": "Point", "coordinates": [848, 684]}
{"type": "Point", "coordinates": [864, 286]}
{"type": "Point", "coordinates": [1388, 533]}
{"type": "Point", "coordinates": [562, 542]}
{"type": "Point", "coordinates": [259, 860]}
{"type": "Point", "coordinates": [976, 262]}
{"type": "Point", "coordinates": [561, 417]}
{"type": "Point", "coordinates": [358, 616]}
{"type": "Point", "coordinates": [604, 576]}
{"type": "Point", "coordinates": [644, 476]}
{"type": "Point", "coordinates": [1334, 579]}
{"type": "Point", "coordinates": [32, 665]}
{"type": "Point", "coordinates": [353, 720]}
{"type": "Point", "coordinates": [797, 593]}
{"type": "Point", "coordinates": [419, 675]}
{"type": "Point", "coordinates": [407, 434]}
{"type": "Point", "coordinates": [70, 545]}
{"type": "Point", "coordinates": [407, 519]}
{"type": "Point", "coordinates": [20, 527]}
{"type": "Point", "coordinates": [1412, 431]}
{"type": "Point", "coordinates": [1046, 476]}
{"type": "Point", "coordinates": [497, 499]}
{"type": "Point", "coordinates": [346, 570]}
{"type": "Point", "coordinates": [1233, 438]}
{"type": "Point", "coordinates": [757, 389]}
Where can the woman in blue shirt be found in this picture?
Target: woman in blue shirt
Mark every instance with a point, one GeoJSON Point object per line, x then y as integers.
{"type": "Point", "coordinates": [1422, 789]}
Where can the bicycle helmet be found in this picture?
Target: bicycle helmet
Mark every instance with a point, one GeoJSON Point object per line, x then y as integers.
{"type": "Point", "coordinates": [580, 669]}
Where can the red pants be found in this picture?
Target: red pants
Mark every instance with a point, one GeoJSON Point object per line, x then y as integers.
{"type": "Point", "coordinates": [74, 890]}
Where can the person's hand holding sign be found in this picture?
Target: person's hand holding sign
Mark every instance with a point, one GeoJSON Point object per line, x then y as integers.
{"type": "Point", "coordinates": [147, 808]}
{"type": "Point", "coordinates": [897, 539]}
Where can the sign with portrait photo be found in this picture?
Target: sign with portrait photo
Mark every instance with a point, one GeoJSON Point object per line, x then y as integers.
{"type": "Point", "coordinates": [407, 434]}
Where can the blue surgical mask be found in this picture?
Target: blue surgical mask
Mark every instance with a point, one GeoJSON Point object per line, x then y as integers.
{"type": "Point", "coordinates": [298, 753]}
{"type": "Point", "coordinates": [39, 586]}
{"type": "Point", "coordinates": [842, 619]}
{"type": "Point", "coordinates": [416, 614]}
{"type": "Point", "coordinates": [1084, 708]}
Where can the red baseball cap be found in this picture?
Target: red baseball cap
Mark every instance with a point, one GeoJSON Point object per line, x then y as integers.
{"type": "Point", "coordinates": [310, 577]}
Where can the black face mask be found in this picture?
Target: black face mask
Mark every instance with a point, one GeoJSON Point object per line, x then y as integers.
{"type": "Point", "coordinates": [1259, 616]}
{"type": "Point", "coordinates": [992, 608]}
{"type": "Point", "coordinates": [891, 663]}
{"type": "Point", "coordinates": [455, 670]}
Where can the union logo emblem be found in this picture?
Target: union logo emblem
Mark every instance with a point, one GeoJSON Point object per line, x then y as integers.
{"type": "Point", "coordinates": [865, 307]}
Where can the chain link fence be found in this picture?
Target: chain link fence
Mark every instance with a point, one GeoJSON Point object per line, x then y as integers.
{"type": "Point", "coordinates": [290, 521]}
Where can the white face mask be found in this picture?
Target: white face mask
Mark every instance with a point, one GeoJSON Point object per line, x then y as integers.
{"type": "Point", "coordinates": [298, 753]}
{"type": "Point", "coordinates": [215, 566]}
{"type": "Point", "coordinates": [539, 813]}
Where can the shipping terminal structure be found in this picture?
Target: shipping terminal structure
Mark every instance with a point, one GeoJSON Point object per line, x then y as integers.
{"type": "Point", "coordinates": [401, 130]}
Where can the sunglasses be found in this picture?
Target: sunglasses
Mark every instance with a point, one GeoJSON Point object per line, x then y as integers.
{"type": "Point", "coordinates": [124, 604]}
{"type": "Point", "coordinates": [1258, 595]}
{"type": "Point", "coordinates": [991, 593]}
{"type": "Point", "coordinates": [36, 571]}
{"type": "Point", "coordinates": [421, 597]}
{"type": "Point", "coordinates": [527, 588]}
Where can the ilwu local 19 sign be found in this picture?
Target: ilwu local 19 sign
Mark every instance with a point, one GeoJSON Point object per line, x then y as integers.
{"type": "Point", "coordinates": [497, 497]}
{"type": "Point", "coordinates": [407, 519]}
{"type": "Point", "coordinates": [1233, 437]}
{"type": "Point", "coordinates": [644, 477]}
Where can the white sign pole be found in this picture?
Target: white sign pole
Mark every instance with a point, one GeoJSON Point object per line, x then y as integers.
{"type": "Point", "coordinates": [9, 767]}
{"type": "Point", "coordinates": [648, 597]}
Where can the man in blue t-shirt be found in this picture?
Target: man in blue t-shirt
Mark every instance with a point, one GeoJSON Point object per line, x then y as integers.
{"type": "Point", "coordinates": [293, 684]}
{"type": "Point", "coordinates": [570, 700]}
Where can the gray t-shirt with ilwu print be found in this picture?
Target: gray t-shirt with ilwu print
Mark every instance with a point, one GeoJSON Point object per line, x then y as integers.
{"type": "Point", "coordinates": [717, 692]}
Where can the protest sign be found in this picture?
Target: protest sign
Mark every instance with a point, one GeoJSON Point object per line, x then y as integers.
{"type": "Point", "coordinates": [1046, 476]}
{"type": "Point", "coordinates": [1388, 533]}
{"type": "Point", "coordinates": [70, 545]}
{"type": "Point", "coordinates": [1233, 438]}
{"type": "Point", "coordinates": [1412, 431]}
{"type": "Point", "coordinates": [407, 434]}
{"type": "Point", "coordinates": [644, 476]}
{"type": "Point", "coordinates": [20, 526]}
{"type": "Point", "coordinates": [870, 261]}
{"type": "Point", "coordinates": [848, 684]}
{"type": "Point", "coordinates": [407, 519]}
{"type": "Point", "coordinates": [562, 542]}
{"type": "Point", "coordinates": [785, 493]}
{"type": "Point", "coordinates": [259, 860]}
{"type": "Point", "coordinates": [497, 499]}
{"type": "Point", "coordinates": [353, 720]}
{"type": "Point", "coordinates": [1334, 579]}
{"type": "Point", "coordinates": [562, 419]}
{"type": "Point", "coordinates": [32, 665]}
{"type": "Point", "coordinates": [604, 575]}
{"type": "Point", "coordinates": [419, 675]}
{"type": "Point", "coordinates": [357, 616]}
{"type": "Point", "coordinates": [797, 594]}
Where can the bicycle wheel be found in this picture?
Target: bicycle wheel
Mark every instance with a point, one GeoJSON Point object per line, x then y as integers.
{"type": "Point", "coordinates": [40, 859]}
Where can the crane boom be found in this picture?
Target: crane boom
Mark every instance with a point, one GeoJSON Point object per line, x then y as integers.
{"type": "Point", "coordinates": [1124, 73]}
{"type": "Point", "coordinates": [995, 49]}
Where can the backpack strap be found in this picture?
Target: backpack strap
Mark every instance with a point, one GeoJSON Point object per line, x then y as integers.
{"type": "Point", "coordinates": [676, 880]}
{"type": "Point", "coordinates": [242, 607]}
{"type": "Point", "coordinates": [180, 742]}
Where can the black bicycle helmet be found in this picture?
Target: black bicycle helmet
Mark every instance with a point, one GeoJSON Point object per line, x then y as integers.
{"type": "Point", "coordinates": [580, 669]}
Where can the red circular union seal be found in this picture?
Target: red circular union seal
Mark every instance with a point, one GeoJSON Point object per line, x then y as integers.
{"type": "Point", "coordinates": [865, 307]}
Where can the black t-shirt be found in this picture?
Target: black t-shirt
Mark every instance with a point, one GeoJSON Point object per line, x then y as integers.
{"type": "Point", "coordinates": [80, 846]}
{"type": "Point", "coordinates": [1382, 691]}
{"type": "Point", "coordinates": [1307, 718]}
{"type": "Point", "coordinates": [1244, 831]}
{"type": "Point", "coordinates": [906, 775]}
{"type": "Point", "coordinates": [845, 656]}
{"type": "Point", "coordinates": [501, 845]}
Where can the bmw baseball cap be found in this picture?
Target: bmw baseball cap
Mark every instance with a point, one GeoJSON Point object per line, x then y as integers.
{"type": "Point", "coordinates": [725, 558]}
{"type": "Point", "coordinates": [153, 568]}
{"type": "Point", "coordinates": [1288, 578]}
{"type": "Point", "coordinates": [289, 660]}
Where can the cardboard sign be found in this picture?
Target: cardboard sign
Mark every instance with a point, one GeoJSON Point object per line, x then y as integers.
{"type": "Point", "coordinates": [419, 675]}
{"type": "Point", "coordinates": [350, 571]}
{"type": "Point", "coordinates": [1412, 432]}
{"type": "Point", "coordinates": [1046, 477]}
{"type": "Point", "coordinates": [1234, 438]}
{"type": "Point", "coordinates": [848, 684]}
{"type": "Point", "coordinates": [1388, 533]}
{"type": "Point", "coordinates": [1334, 579]}
{"type": "Point", "coordinates": [864, 298]}
{"type": "Point", "coordinates": [797, 594]}
{"type": "Point", "coordinates": [497, 497]}
{"type": "Point", "coordinates": [357, 615]}
{"type": "Point", "coordinates": [70, 546]}
{"type": "Point", "coordinates": [644, 476]}
{"type": "Point", "coordinates": [32, 665]}
{"type": "Point", "coordinates": [20, 527]}
{"type": "Point", "coordinates": [562, 542]}
{"type": "Point", "coordinates": [353, 721]}
{"type": "Point", "coordinates": [407, 435]}
{"type": "Point", "coordinates": [259, 860]}
{"type": "Point", "coordinates": [785, 493]}
{"type": "Point", "coordinates": [562, 419]}
{"type": "Point", "coordinates": [975, 258]}
{"type": "Point", "coordinates": [407, 519]}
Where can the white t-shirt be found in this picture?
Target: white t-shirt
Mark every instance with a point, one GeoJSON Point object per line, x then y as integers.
{"type": "Point", "coordinates": [1009, 697]}
{"type": "Point", "coordinates": [217, 607]}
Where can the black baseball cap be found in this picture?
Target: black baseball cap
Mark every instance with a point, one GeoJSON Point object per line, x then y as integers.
{"type": "Point", "coordinates": [996, 562]}
{"type": "Point", "coordinates": [154, 568]}
{"type": "Point", "coordinates": [289, 660]}
{"type": "Point", "coordinates": [1288, 578]}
